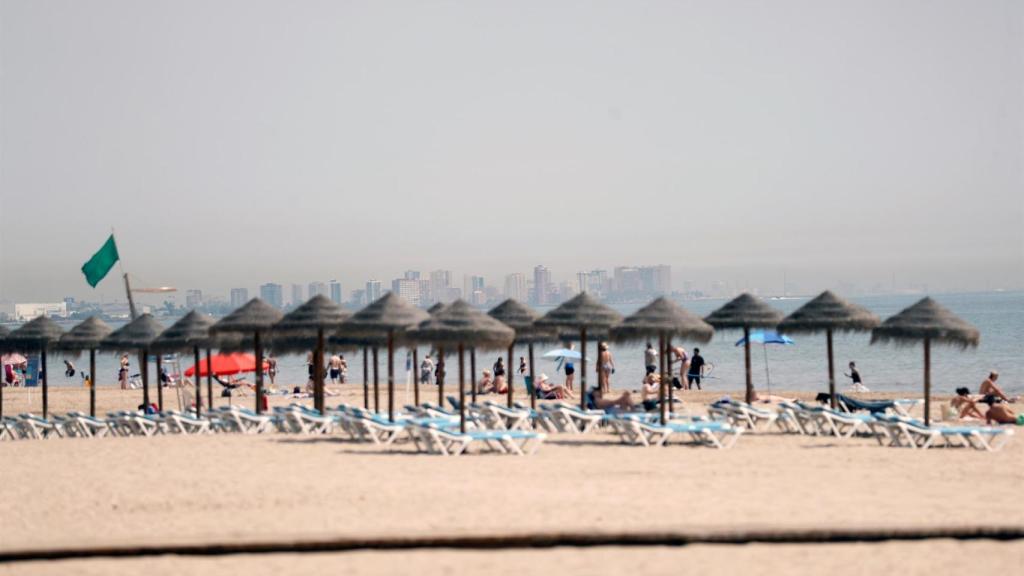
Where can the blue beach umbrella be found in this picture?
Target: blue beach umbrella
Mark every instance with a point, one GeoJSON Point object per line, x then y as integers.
{"type": "Point", "coordinates": [765, 337]}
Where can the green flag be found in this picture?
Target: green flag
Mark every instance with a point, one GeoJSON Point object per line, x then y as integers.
{"type": "Point", "coordinates": [101, 262]}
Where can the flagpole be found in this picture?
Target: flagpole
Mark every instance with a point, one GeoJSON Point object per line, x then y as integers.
{"type": "Point", "coordinates": [127, 286]}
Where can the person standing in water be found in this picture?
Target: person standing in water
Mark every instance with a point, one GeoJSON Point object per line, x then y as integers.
{"type": "Point", "coordinates": [696, 370]}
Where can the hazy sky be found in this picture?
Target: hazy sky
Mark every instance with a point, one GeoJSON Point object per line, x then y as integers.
{"type": "Point", "coordinates": [234, 143]}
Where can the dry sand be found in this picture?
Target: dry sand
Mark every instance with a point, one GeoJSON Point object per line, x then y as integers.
{"type": "Point", "coordinates": [80, 492]}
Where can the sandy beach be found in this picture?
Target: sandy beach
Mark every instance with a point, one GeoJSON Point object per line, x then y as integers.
{"type": "Point", "coordinates": [231, 488]}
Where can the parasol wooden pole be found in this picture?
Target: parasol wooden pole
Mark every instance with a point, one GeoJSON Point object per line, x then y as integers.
{"type": "Point", "coordinates": [46, 378]}
{"type": "Point", "coordinates": [144, 368]}
{"type": "Point", "coordinates": [415, 375]}
{"type": "Point", "coordinates": [209, 377]}
{"type": "Point", "coordinates": [366, 378]}
{"type": "Point", "coordinates": [671, 386]}
{"type": "Point", "coordinates": [662, 352]}
{"type": "Point", "coordinates": [831, 370]}
{"type": "Point", "coordinates": [318, 384]}
{"type": "Point", "coordinates": [440, 376]}
{"type": "Point", "coordinates": [533, 379]}
{"type": "Point", "coordinates": [390, 376]}
{"type": "Point", "coordinates": [92, 383]}
{"type": "Point", "coordinates": [511, 372]}
{"type": "Point", "coordinates": [927, 381]}
{"type": "Point", "coordinates": [199, 383]}
{"type": "Point", "coordinates": [159, 383]}
{"type": "Point", "coordinates": [462, 393]}
{"type": "Point", "coordinates": [472, 372]}
{"type": "Point", "coordinates": [376, 382]}
{"type": "Point", "coordinates": [746, 360]}
{"type": "Point", "coordinates": [583, 368]}
{"type": "Point", "coordinates": [259, 372]}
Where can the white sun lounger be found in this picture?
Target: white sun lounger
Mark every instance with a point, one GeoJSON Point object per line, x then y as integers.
{"type": "Point", "coordinates": [449, 442]}
{"type": "Point", "coordinates": [567, 418]}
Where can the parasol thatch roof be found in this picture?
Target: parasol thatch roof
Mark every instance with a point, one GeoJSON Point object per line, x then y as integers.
{"type": "Point", "coordinates": [86, 335]}
{"type": "Point", "coordinates": [744, 311]}
{"type": "Point", "coordinates": [460, 323]}
{"type": "Point", "coordinates": [829, 312]}
{"type": "Point", "coordinates": [389, 314]}
{"type": "Point", "coordinates": [663, 317]}
{"type": "Point", "coordinates": [582, 311]}
{"type": "Point", "coordinates": [192, 330]}
{"type": "Point", "coordinates": [135, 335]}
{"type": "Point", "coordinates": [437, 307]}
{"type": "Point", "coordinates": [254, 316]}
{"type": "Point", "coordinates": [522, 318]}
{"type": "Point", "coordinates": [926, 319]}
{"type": "Point", "coordinates": [34, 335]}
{"type": "Point", "coordinates": [297, 331]}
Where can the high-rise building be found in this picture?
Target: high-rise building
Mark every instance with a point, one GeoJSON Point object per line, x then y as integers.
{"type": "Point", "coordinates": [239, 296]}
{"type": "Point", "coordinates": [426, 298]}
{"type": "Point", "coordinates": [627, 281]}
{"type": "Point", "coordinates": [515, 287]}
{"type": "Point", "coordinates": [317, 289]}
{"type": "Point", "coordinates": [656, 280]}
{"type": "Point", "coordinates": [336, 295]}
{"type": "Point", "coordinates": [440, 286]}
{"type": "Point", "coordinates": [541, 286]}
{"type": "Point", "coordinates": [471, 285]}
{"type": "Point", "coordinates": [359, 298]}
{"type": "Point", "coordinates": [298, 297]}
{"type": "Point", "coordinates": [373, 291]}
{"type": "Point", "coordinates": [595, 283]}
{"type": "Point", "coordinates": [408, 289]}
{"type": "Point", "coordinates": [411, 275]}
{"type": "Point", "coordinates": [272, 294]}
{"type": "Point", "coordinates": [193, 298]}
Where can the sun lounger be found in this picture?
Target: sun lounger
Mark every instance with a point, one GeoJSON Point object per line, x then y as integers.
{"type": "Point", "coordinates": [179, 423]}
{"type": "Point", "coordinates": [737, 413]}
{"type": "Point", "coordinates": [33, 426]}
{"type": "Point", "coordinates": [912, 433]}
{"type": "Point", "coordinates": [368, 426]}
{"type": "Point", "coordinates": [88, 426]}
{"type": "Point", "coordinates": [568, 418]}
{"type": "Point", "coordinates": [645, 432]}
{"type": "Point", "coordinates": [450, 442]}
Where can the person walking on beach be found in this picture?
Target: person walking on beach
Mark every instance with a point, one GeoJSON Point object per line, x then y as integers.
{"type": "Point", "coordinates": [856, 384]}
{"type": "Point", "coordinates": [335, 366]}
{"type": "Point", "coordinates": [499, 374]}
{"type": "Point", "coordinates": [271, 368]}
{"type": "Point", "coordinates": [696, 370]}
{"type": "Point", "coordinates": [427, 370]}
{"type": "Point", "coordinates": [679, 352]}
{"type": "Point", "coordinates": [122, 374]}
{"type": "Point", "coordinates": [69, 369]}
{"type": "Point", "coordinates": [570, 370]}
{"type": "Point", "coordinates": [650, 359]}
{"type": "Point", "coordinates": [607, 368]}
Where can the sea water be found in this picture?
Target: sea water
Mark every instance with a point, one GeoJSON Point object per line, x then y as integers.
{"type": "Point", "coordinates": [802, 366]}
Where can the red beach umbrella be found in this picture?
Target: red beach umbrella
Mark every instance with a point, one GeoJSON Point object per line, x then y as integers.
{"type": "Point", "coordinates": [227, 364]}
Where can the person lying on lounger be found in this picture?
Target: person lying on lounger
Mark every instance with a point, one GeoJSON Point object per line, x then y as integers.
{"type": "Point", "coordinates": [965, 406]}
{"type": "Point", "coordinates": [548, 391]}
{"type": "Point", "coordinates": [623, 401]}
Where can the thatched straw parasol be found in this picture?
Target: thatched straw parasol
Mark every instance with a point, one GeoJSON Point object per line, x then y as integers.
{"type": "Point", "coordinates": [86, 335]}
{"type": "Point", "coordinates": [40, 334]}
{"type": "Point", "coordinates": [829, 313]}
{"type": "Point", "coordinates": [582, 313]}
{"type": "Point", "coordinates": [664, 319]}
{"type": "Point", "coordinates": [256, 319]}
{"type": "Point", "coordinates": [136, 336]}
{"type": "Point", "coordinates": [745, 312]}
{"type": "Point", "coordinates": [456, 326]}
{"type": "Point", "coordinates": [303, 329]}
{"type": "Point", "coordinates": [521, 318]}
{"type": "Point", "coordinates": [929, 322]}
{"type": "Point", "coordinates": [387, 317]}
{"type": "Point", "coordinates": [191, 332]}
